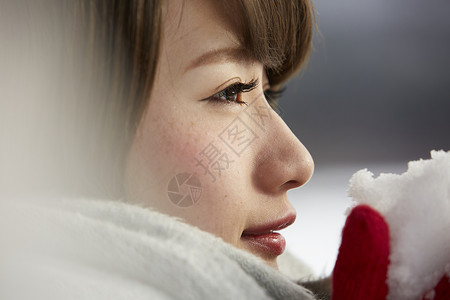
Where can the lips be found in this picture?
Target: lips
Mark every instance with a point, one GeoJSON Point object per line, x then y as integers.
{"type": "Point", "coordinates": [264, 240]}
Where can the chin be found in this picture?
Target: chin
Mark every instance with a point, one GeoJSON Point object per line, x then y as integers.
{"type": "Point", "coordinates": [272, 263]}
{"type": "Point", "coordinates": [266, 258]}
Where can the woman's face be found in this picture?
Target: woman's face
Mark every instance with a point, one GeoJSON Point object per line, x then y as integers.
{"type": "Point", "coordinates": [203, 155]}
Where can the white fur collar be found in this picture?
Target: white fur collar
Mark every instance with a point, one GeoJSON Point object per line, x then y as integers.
{"type": "Point", "coordinates": [92, 249]}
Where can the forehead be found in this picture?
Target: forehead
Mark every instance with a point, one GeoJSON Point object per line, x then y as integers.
{"type": "Point", "coordinates": [192, 27]}
{"type": "Point", "coordinates": [182, 16]}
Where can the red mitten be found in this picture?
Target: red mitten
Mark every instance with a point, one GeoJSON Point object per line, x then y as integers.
{"type": "Point", "coordinates": [399, 247]}
{"type": "Point", "coordinates": [362, 264]}
{"type": "Point", "coordinates": [441, 291]}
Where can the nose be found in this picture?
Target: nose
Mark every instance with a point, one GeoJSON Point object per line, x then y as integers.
{"type": "Point", "coordinates": [282, 162]}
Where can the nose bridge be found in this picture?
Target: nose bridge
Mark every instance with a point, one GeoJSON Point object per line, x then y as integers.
{"type": "Point", "coordinates": [283, 162]}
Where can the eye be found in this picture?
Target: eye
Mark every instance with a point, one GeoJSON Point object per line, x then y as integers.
{"type": "Point", "coordinates": [233, 93]}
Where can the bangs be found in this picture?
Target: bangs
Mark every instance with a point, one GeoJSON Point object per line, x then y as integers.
{"type": "Point", "coordinates": [278, 34]}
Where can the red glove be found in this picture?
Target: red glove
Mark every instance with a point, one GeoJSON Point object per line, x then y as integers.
{"type": "Point", "coordinates": [441, 290]}
{"type": "Point", "coordinates": [361, 268]}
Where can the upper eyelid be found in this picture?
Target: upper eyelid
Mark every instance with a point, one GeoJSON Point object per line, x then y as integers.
{"type": "Point", "coordinates": [242, 87]}
{"type": "Point", "coordinates": [252, 84]}
{"type": "Point", "coordinates": [227, 84]}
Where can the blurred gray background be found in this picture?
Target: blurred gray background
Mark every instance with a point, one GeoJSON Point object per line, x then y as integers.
{"type": "Point", "coordinates": [375, 94]}
{"type": "Point", "coordinates": [377, 86]}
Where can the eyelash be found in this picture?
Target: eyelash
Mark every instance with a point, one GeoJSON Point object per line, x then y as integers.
{"type": "Point", "coordinates": [237, 89]}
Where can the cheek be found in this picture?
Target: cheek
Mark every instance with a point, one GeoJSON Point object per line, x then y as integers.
{"type": "Point", "coordinates": [168, 145]}
{"type": "Point", "coordinates": [163, 148]}
{"type": "Point", "coordinates": [175, 146]}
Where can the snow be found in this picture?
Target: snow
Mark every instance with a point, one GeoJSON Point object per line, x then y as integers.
{"type": "Point", "coordinates": [416, 205]}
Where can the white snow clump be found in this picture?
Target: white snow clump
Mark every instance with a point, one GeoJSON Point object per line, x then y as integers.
{"type": "Point", "coordinates": [416, 206]}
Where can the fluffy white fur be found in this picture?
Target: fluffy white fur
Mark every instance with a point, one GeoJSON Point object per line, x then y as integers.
{"type": "Point", "coordinates": [92, 249]}
{"type": "Point", "coordinates": [416, 205]}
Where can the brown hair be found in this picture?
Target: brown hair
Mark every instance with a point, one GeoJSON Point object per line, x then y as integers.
{"type": "Point", "coordinates": [108, 51]}
{"type": "Point", "coordinates": [279, 34]}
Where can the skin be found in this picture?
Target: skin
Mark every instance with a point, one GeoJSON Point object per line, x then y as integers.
{"type": "Point", "coordinates": [178, 124]}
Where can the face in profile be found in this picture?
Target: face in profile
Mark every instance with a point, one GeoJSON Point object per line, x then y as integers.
{"type": "Point", "coordinates": [208, 121]}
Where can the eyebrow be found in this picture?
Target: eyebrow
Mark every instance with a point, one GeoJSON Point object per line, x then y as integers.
{"type": "Point", "coordinates": [215, 56]}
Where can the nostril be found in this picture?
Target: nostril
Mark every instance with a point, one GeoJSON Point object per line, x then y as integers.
{"type": "Point", "coordinates": [291, 184]}
{"type": "Point", "coordinates": [300, 175]}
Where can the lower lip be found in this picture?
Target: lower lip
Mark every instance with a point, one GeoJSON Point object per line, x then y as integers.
{"type": "Point", "coordinates": [269, 243]}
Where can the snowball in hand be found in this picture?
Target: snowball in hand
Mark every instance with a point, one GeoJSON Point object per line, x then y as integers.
{"type": "Point", "coordinates": [416, 206]}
